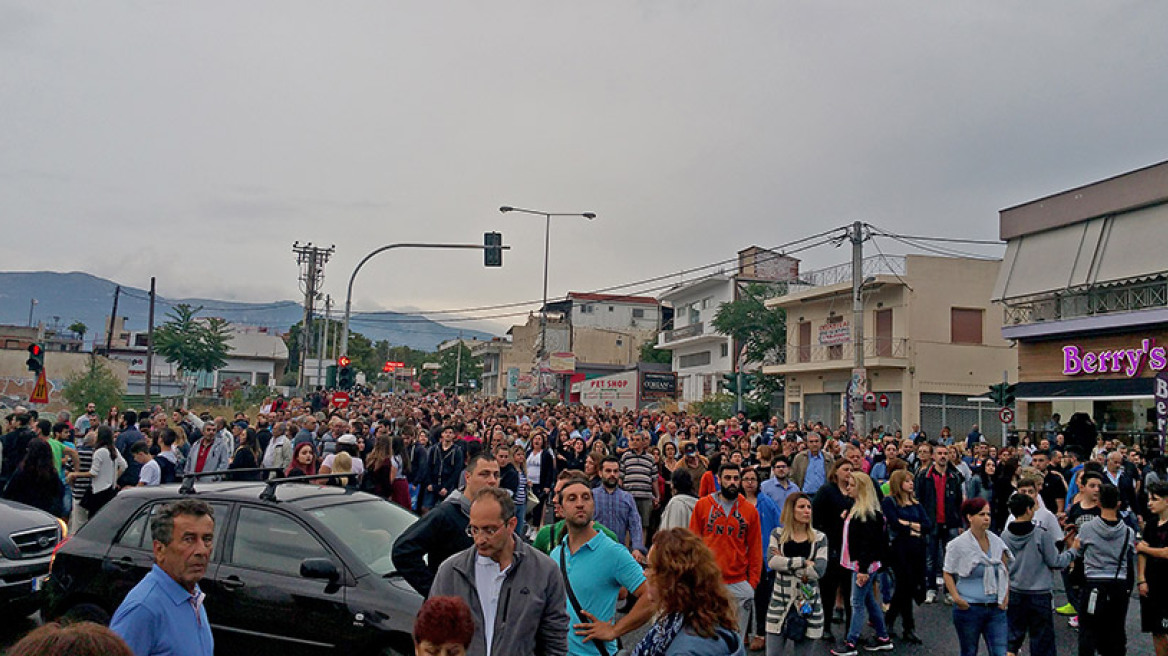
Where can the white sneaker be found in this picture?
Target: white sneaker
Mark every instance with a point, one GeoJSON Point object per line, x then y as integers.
{"type": "Point", "coordinates": [1073, 622]}
{"type": "Point", "coordinates": [948, 600]}
{"type": "Point", "coordinates": [930, 597]}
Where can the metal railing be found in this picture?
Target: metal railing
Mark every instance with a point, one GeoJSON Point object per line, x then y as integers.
{"type": "Point", "coordinates": [692, 330]}
{"type": "Point", "coordinates": [874, 265]}
{"type": "Point", "coordinates": [875, 347]}
{"type": "Point", "coordinates": [1089, 302]}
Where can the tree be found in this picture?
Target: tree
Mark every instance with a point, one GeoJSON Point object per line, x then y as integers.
{"type": "Point", "coordinates": [96, 384]}
{"type": "Point", "coordinates": [79, 328]}
{"type": "Point", "coordinates": [193, 345]}
{"type": "Point", "coordinates": [759, 332]}
{"type": "Point", "coordinates": [650, 353]}
{"type": "Point", "coordinates": [470, 368]}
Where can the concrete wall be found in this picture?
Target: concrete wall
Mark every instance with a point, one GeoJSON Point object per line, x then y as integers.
{"type": "Point", "coordinates": [17, 382]}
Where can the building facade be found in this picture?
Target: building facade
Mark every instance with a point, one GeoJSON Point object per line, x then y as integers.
{"type": "Point", "coordinates": [929, 345]}
{"type": "Point", "coordinates": [1084, 294]}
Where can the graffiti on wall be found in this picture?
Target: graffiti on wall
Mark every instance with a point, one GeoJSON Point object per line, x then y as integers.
{"type": "Point", "coordinates": [14, 390]}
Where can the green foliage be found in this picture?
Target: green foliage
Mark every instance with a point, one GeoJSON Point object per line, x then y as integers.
{"type": "Point", "coordinates": [191, 344]}
{"type": "Point", "coordinates": [650, 353]}
{"type": "Point", "coordinates": [249, 396]}
{"type": "Point", "coordinates": [78, 328]}
{"type": "Point", "coordinates": [721, 406]}
{"type": "Point", "coordinates": [472, 367]}
{"type": "Point", "coordinates": [759, 331]}
{"type": "Point", "coordinates": [96, 384]}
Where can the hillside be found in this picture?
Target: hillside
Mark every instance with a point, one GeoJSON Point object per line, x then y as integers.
{"type": "Point", "coordinates": [76, 296]}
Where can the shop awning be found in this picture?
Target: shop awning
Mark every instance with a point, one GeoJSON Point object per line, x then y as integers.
{"type": "Point", "coordinates": [1106, 389]}
{"type": "Point", "coordinates": [1092, 253]}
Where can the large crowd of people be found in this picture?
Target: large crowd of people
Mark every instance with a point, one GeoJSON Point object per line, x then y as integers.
{"type": "Point", "coordinates": [721, 534]}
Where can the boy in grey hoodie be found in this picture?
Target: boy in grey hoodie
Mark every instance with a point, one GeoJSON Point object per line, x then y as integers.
{"type": "Point", "coordinates": [1036, 554]}
{"type": "Point", "coordinates": [1108, 547]}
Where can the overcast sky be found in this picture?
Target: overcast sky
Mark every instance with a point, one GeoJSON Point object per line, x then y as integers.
{"type": "Point", "coordinates": [196, 141]}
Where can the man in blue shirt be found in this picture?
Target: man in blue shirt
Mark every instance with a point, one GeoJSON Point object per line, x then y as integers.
{"type": "Point", "coordinates": [616, 509]}
{"type": "Point", "coordinates": [596, 569]}
{"type": "Point", "coordinates": [779, 486]}
{"type": "Point", "coordinates": [164, 615]}
{"type": "Point", "coordinates": [809, 469]}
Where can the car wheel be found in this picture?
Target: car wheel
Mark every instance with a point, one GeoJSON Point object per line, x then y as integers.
{"type": "Point", "coordinates": [86, 613]}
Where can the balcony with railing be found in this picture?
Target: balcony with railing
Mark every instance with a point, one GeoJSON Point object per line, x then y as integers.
{"type": "Point", "coordinates": [878, 352]}
{"type": "Point", "coordinates": [1083, 303]}
{"type": "Point", "coordinates": [694, 332]}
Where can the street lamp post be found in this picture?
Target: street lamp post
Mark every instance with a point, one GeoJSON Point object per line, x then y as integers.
{"type": "Point", "coordinates": [547, 231]}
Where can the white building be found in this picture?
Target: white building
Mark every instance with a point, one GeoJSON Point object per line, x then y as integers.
{"type": "Point", "coordinates": [700, 354]}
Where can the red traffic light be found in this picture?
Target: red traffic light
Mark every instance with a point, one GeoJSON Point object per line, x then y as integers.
{"type": "Point", "coordinates": [35, 349]}
{"type": "Point", "coordinates": [344, 361]}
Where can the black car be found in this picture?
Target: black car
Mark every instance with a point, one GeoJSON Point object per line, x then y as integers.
{"type": "Point", "coordinates": [27, 539]}
{"type": "Point", "coordinates": [295, 568]}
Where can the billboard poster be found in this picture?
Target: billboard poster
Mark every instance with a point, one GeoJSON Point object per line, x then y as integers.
{"type": "Point", "coordinates": [835, 332]}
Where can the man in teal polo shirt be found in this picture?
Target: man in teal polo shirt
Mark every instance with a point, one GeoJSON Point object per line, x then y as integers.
{"type": "Point", "coordinates": [597, 568]}
{"type": "Point", "coordinates": [164, 615]}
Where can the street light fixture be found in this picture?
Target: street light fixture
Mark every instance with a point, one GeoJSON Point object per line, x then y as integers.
{"type": "Point", "coordinates": [546, 250]}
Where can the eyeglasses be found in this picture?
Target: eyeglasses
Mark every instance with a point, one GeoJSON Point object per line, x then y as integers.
{"type": "Point", "coordinates": [475, 531]}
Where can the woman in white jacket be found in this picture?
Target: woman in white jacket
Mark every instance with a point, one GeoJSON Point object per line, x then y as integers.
{"type": "Point", "coordinates": [107, 465]}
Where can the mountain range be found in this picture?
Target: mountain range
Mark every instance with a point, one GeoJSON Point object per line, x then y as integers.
{"type": "Point", "coordinates": [63, 298]}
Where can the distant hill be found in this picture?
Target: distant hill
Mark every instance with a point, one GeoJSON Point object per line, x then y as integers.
{"type": "Point", "coordinates": [83, 297]}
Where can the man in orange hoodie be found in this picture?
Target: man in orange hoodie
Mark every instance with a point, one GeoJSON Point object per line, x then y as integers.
{"type": "Point", "coordinates": [730, 527]}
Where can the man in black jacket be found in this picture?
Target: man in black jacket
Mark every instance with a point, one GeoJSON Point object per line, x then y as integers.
{"type": "Point", "coordinates": [939, 489]}
{"type": "Point", "coordinates": [441, 533]}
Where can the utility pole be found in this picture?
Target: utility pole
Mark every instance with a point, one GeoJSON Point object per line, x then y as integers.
{"type": "Point", "coordinates": [150, 346]}
{"type": "Point", "coordinates": [312, 260]}
{"type": "Point", "coordinates": [323, 339]}
{"type": "Point", "coordinates": [32, 303]}
{"type": "Point", "coordinates": [458, 365]}
{"type": "Point", "coordinates": [109, 333]}
{"type": "Point", "coordinates": [859, 373]}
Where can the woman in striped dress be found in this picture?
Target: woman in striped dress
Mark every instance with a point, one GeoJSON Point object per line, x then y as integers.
{"type": "Point", "coordinates": [519, 456]}
{"type": "Point", "coordinates": [797, 553]}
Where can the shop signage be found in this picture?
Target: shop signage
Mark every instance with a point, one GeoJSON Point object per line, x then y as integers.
{"type": "Point", "coordinates": [1160, 397]}
{"type": "Point", "coordinates": [562, 363]}
{"type": "Point", "coordinates": [835, 332]}
{"type": "Point", "coordinates": [658, 385]}
{"type": "Point", "coordinates": [1130, 362]}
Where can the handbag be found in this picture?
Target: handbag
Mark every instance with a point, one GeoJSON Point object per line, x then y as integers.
{"type": "Point", "coordinates": [94, 501]}
{"type": "Point", "coordinates": [795, 623]}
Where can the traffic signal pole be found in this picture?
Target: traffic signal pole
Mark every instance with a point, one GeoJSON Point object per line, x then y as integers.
{"type": "Point", "coordinates": [352, 278]}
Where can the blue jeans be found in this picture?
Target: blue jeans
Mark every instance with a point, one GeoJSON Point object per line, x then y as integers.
{"type": "Point", "coordinates": [520, 526]}
{"type": "Point", "coordinates": [886, 586]}
{"type": "Point", "coordinates": [863, 605]}
{"type": "Point", "coordinates": [978, 622]}
{"type": "Point", "coordinates": [939, 538]}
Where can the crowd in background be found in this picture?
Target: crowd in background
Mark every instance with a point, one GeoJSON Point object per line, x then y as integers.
{"type": "Point", "coordinates": [809, 527]}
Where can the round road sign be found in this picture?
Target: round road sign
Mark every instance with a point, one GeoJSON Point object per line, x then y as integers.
{"type": "Point", "coordinates": [1006, 415]}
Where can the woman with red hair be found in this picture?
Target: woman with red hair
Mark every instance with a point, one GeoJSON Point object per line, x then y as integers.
{"type": "Point", "coordinates": [303, 461]}
{"type": "Point", "coordinates": [696, 615]}
{"type": "Point", "coordinates": [444, 627]}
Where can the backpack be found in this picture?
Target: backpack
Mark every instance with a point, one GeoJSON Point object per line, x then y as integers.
{"type": "Point", "coordinates": [168, 470]}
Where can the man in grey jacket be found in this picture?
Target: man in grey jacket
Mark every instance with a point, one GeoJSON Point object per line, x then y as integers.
{"type": "Point", "coordinates": [208, 453]}
{"type": "Point", "coordinates": [516, 593]}
{"type": "Point", "coordinates": [1108, 546]}
{"type": "Point", "coordinates": [1031, 582]}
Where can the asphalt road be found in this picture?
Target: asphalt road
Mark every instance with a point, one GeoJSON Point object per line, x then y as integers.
{"type": "Point", "coordinates": [934, 626]}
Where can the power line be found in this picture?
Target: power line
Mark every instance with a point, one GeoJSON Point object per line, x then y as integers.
{"type": "Point", "coordinates": [940, 250]}
{"type": "Point", "coordinates": [414, 318]}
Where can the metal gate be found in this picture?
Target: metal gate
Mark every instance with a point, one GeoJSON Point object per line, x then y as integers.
{"type": "Point", "coordinates": [956, 412]}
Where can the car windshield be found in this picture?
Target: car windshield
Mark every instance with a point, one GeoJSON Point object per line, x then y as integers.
{"type": "Point", "coordinates": [368, 528]}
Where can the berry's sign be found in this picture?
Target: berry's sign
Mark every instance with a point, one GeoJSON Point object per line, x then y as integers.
{"type": "Point", "coordinates": [1130, 362]}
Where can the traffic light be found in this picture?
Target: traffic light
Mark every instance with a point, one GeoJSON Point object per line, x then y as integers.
{"type": "Point", "coordinates": [493, 251]}
{"type": "Point", "coordinates": [997, 393]}
{"type": "Point", "coordinates": [748, 383]}
{"type": "Point", "coordinates": [1008, 395]}
{"type": "Point", "coordinates": [346, 377]}
{"type": "Point", "coordinates": [387, 367]}
{"type": "Point", "coordinates": [36, 358]}
{"type": "Point", "coordinates": [344, 361]}
{"type": "Point", "coordinates": [730, 383]}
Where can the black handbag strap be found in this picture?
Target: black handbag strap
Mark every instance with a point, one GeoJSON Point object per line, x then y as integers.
{"type": "Point", "coordinates": [1123, 554]}
{"type": "Point", "coordinates": [600, 645]}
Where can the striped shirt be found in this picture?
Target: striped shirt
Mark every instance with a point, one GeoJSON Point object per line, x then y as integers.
{"type": "Point", "coordinates": [81, 484]}
{"type": "Point", "coordinates": [639, 473]}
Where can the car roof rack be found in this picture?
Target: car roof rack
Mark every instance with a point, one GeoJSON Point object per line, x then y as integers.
{"type": "Point", "coordinates": [188, 484]}
{"type": "Point", "coordinates": [269, 493]}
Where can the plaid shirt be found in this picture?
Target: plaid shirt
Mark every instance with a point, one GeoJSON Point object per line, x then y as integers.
{"type": "Point", "coordinates": [618, 512]}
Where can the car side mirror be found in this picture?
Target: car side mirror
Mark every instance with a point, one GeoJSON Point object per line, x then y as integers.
{"type": "Point", "coordinates": [319, 568]}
